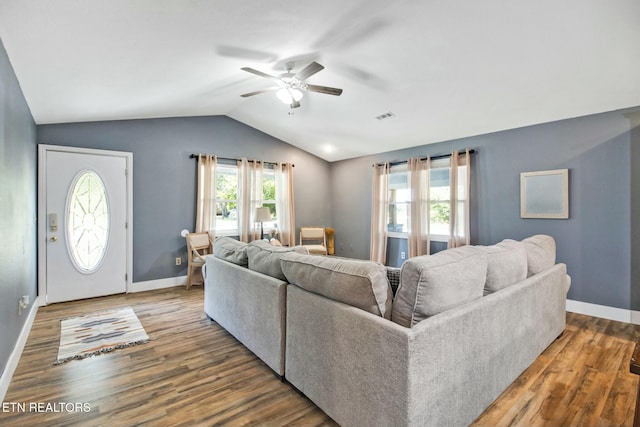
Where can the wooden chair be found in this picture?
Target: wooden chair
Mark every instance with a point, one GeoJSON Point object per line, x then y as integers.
{"type": "Point", "coordinates": [198, 247]}
{"type": "Point", "coordinates": [318, 238]}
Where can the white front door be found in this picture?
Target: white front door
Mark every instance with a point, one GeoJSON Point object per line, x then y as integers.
{"type": "Point", "coordinates": [83, 225]}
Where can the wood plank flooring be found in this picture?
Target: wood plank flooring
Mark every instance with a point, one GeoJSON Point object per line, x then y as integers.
{"type": "Point", "coordinates": [582, 379]}
{"type": "Point", "coordinates": [193, 373]}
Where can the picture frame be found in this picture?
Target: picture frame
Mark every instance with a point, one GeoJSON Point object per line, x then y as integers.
{"type": "Point", "coordinates": [545, 194]}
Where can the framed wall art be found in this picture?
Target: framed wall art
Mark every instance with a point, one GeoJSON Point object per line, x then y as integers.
{"type": "Point", "coordinates": [545, 194]}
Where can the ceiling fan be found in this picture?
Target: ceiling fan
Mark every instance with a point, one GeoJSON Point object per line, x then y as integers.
{"type": "Point", "coordinates": [290, 87]}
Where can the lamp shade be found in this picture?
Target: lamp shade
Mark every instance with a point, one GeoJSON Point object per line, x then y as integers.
{"type": "Point", "coordinates": [263, 214]}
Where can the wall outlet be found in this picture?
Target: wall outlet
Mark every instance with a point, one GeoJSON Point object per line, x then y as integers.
{"type": "Point", "coordinates": [178, 261]}
{"type": "Point", "coordinates": [403, 255]}
{"type": "Point", "coordinates": [22, 304]}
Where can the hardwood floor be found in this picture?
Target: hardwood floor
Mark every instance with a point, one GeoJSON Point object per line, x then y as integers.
{"type": "Point", "coordinates": [582, 379]}
{"type": "Point", "coordinates": [194, 373]}
{"type": "Point", "coordinates": [191, 373]}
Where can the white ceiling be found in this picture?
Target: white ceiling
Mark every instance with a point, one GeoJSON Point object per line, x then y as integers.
{"type": "Point", "coordinates": [446, 69]}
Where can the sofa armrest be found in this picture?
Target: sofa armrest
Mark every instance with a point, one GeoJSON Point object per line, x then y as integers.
{"type": "Point", "coordinates": [250, 306]}
{"type": "Point", "coordinates": [462, 359]}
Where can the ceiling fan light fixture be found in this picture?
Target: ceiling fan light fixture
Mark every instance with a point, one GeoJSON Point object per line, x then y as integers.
{"type": "Point", "coordinates": [289, 96]}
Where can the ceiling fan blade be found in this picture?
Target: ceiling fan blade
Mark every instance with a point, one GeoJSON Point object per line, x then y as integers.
{"type": "Point", "coordinates": [258, 92]}
{"type": "Point", "coordinates": [325, 89]}
{"type": "Point", "coordinates": [309, 71]}
{"type": "Point", "coordinates": [260, 73]}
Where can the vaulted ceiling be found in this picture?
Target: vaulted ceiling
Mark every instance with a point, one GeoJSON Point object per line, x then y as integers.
{"type": "Point", "coordinates": [444, 69]}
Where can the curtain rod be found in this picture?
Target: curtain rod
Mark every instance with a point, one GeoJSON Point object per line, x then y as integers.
{"type": "Point", "coordinates": [195, 156]}
{"type": "Point", "coordinates": [441, 156]}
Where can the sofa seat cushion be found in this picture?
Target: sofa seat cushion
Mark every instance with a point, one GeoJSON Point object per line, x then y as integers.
{"type": "Point", "coordinates": [541, 253]}
{"type": "Point", "coordinates": [506, 265]}
{"type": "Point", "coordinates": [432, 284]}
{"type": "Point", "coordinates": [265, 257]}
{"type": "Point", "coordinates": [231, 250]}
{"type": "Point", "coordinates": [359, 283]}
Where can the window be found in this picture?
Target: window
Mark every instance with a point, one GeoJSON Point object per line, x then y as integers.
{"type": "Point", "coordinates": [269, 197]}
{"type": "Point", "coordinates": [399, 214]}
{"type": "Point", "coordinates": [227, 199]}
{"type": "Point", "coordinates": [399, 199]}
{"type": "Point", "coordinates": [87, 222]}
{"type": "Point", "coordinates": [439, 200]}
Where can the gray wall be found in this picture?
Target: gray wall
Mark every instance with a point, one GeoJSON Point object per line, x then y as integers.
{"type": "Point", "coordinates": [634, 160]}
{"type": "Point", "coordinates": [17, 207]}
{"type": "Point", "coordinates": [594, 243]}
{"type": "Point", "coordinates": [164, 177]}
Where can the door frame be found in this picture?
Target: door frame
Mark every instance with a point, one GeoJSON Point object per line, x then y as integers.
{"type": "Point", "coordinates": [42, 210]}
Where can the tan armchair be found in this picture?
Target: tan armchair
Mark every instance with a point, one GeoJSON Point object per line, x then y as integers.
{"type": "Point", "coordinates": [314, 239]}
{"type": "Point", "coordinates": [198, 247]}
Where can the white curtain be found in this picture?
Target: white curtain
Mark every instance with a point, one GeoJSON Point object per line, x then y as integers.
{"type": "Point", "coordinates": [379, 212]}
{"type": "Point", "coordinates": [283, 173]}
{"type": "Point", "coordinates": [459, 182]}
{"type": "Point", "coordinates": [418, 176]}
{"type": "Point", "coordinates": [249, 198]}
{"type": "Point", "coordinates": [206, 198]}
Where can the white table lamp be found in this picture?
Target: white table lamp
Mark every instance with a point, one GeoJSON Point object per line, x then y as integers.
{"type": "Point", "coordinates": [262, 215]}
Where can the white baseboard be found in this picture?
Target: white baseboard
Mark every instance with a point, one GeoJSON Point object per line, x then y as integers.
{"type": "Point", "coordinates": [150, 285]}
{"type": "Point", "coordinates": [606, 312]}
{"type": "Point", "coordinates": [14, 358]}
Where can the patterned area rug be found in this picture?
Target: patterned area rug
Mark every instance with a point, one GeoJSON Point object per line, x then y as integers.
{"type": "Point", "coordinates": [98, 333]}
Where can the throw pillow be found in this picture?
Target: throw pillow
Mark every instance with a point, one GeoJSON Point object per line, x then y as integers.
{"type": "Point", "coordinates": [506, 265]}
{"type": "Point", "coordinates": [359, 283]}
{"type": "Point", "coordinates": [231, 250]}
{"type": "Point", "coordinates": [265, 258]}
{"type": "Point", "coordinates": [541, 253]}
{"type": "Point", "coordinates": [393, 274]}
{"type": "Point", "coordinates": [432, 284]}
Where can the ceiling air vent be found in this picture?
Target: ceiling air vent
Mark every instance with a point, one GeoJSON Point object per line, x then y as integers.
{"type": "Point", "coordinates": [385, 116]}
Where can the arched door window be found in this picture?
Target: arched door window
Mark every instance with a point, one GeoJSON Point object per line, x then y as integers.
{"type": "Point", "coordinates": [87, 221]}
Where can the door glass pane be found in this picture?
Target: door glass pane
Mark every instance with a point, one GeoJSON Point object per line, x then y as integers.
{"type": "Point", "coordinates": [87, 222]}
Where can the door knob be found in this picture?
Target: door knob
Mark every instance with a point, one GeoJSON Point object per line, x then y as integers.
{"type": "Point", "coordinates": [53, 239]}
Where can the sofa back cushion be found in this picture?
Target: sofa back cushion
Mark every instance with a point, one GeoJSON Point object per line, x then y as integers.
{"type": "Point", "coordinates": [541, 253]}
{"type": "Point", "coordinates": [231, 250]}
{"type": "Point", "coordinates": [506, 265]}
{"type": "Point", "coordinates": [432, 284]}
{"type": "Point", "coordinates": [265, 258]}
{"type": "Point", "coordinates": [359, 283]}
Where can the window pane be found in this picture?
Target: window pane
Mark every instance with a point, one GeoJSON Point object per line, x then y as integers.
{"type": "Point", "coordinates": [226, 215]}
{"type": "Point", "coordinates": [227, 183]}
{"type": "Point", "coordinates": [439, 218]}
{"type": "Point", "coordinates": [227, 198]}
{"type": "Point", "coordinates": [398, 217]}
{"type": "Point", "coordinates": [269, 194]}
{"type": "Point", "coordinates": [439, 177]}
{"type": "Point", "coordinates": [88, 222]}
{"type": "Point", "coordinates": [268, 186]}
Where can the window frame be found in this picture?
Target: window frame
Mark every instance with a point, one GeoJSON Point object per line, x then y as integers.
{"type": "Point", "coordinates": [267, 171]}
{"type": "Point", "coordinates": [444, 163]}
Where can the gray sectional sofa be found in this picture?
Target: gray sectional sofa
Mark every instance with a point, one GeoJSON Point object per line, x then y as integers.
{"type": "Point", "coordinates": [462, 326]}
